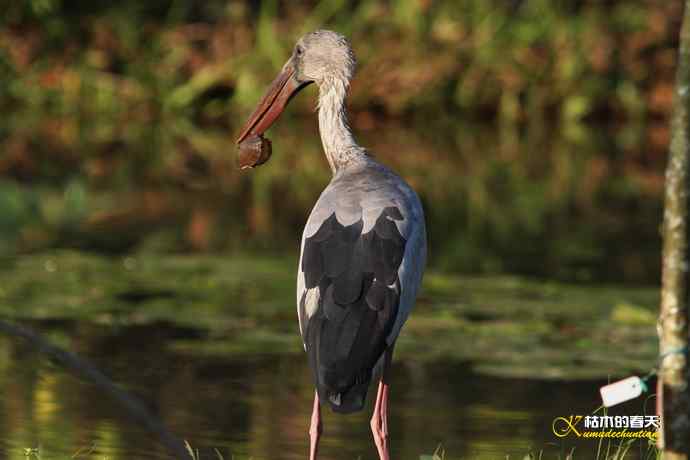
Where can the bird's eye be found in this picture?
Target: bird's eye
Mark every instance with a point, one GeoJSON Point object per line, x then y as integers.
{"type": "Point", "coordinates": [299, 51]}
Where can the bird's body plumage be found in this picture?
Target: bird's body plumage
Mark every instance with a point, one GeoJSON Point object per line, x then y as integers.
{"type": "Point", "coordinates": [358, 276]}
{"type": "Point", "coordinates": [364, 245]}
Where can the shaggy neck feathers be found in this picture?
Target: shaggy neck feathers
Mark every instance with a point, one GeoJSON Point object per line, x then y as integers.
{"type": "Point", "coordinates": [339, 145]}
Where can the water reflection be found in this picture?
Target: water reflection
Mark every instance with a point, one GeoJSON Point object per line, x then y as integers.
{"type": "Point", "coordinates": [258, 405]}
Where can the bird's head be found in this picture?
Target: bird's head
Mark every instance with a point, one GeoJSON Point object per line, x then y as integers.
{"type": "Point", "coordinates": [322, 57]}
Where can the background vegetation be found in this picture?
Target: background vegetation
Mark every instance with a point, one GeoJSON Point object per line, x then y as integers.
{"type": "Point", "coordinates": [535, 130]}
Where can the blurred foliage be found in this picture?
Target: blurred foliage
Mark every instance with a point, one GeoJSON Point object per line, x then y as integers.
{"type": "Point", "coordinates": [515, 59]}
{"type": "Point", "coordinates": [535, 130]}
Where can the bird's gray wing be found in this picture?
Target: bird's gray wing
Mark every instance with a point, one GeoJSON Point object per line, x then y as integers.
{"type": "Point", "coordinates": [351, 295]}
{"type": "Point", "coordinates": [410, 275]}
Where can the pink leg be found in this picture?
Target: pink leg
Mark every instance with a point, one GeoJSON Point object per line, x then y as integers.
{"type": "Point", "coordinates": [379, 421]}
{"type": "Point", "coordinates": [315, 428]}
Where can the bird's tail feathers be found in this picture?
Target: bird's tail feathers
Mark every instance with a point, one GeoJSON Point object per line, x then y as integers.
{"type": "Point", "coordinates": [346, 400]}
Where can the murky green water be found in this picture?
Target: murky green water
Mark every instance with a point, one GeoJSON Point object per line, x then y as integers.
{"type": "Point", "coordinates": [210, 346]}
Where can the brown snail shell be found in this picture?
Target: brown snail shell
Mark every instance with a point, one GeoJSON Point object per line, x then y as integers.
{"type": "Point", "coordinates": [255, 150]}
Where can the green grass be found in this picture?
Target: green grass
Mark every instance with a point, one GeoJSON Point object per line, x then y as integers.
{"type": "Point", "coordinates": [611, 452]}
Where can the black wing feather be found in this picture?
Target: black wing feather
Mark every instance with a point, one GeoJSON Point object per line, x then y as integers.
{"type": "Point", "coordinates": [357, 278]}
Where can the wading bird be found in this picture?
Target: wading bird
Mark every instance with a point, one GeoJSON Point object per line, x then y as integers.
{"type": "Point", "coordinates": [363, 249]}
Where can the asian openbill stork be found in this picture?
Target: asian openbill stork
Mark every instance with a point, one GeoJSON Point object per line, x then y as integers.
{"type": "Point", "coordinates": [363, 248]}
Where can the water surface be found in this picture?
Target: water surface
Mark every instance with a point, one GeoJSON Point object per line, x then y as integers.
{"type": "Point", "coordinates": [210, 346]}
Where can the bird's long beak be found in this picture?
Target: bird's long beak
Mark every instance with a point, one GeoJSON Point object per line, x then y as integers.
{"type": "Point", "coordinates": [273, 103]}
